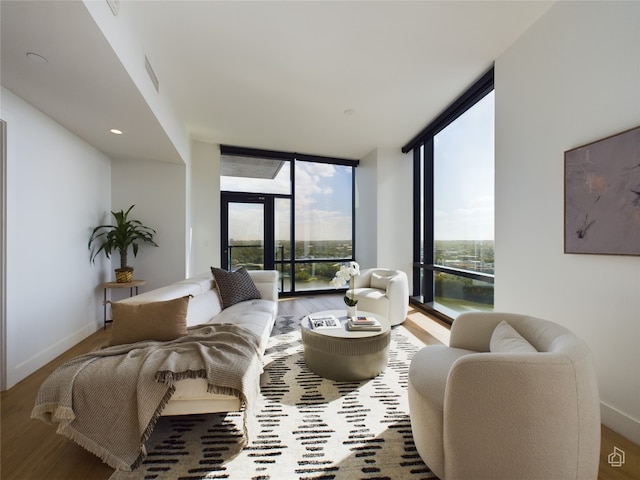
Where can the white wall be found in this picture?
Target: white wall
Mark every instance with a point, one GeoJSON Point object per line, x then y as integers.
{"type": "Point", "coordinates": [366, 209]}
{"type": "Point", "coordinates": [205, 207]}
{"type": "Point", "coordinates": [57, 185]}
{"type": "Point", "coordinates": [395, 210]}
{"type": "Point", "coordinates": [573, 78]}
{"type": "Point", "coordinates": [384, 206]}
{"type": "Point", "coordinates": [158, 191]}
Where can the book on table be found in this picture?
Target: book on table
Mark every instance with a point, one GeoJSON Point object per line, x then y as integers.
{"type": "Point", "coordinates": [324, 321]}
{"type": "Point", "coordinates": [370, 325]}
{"type": "Point", "coordinates": [364, 321]}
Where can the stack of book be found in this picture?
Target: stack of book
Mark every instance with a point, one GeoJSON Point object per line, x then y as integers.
{"type": "Point", "coordinates": [363, 324]}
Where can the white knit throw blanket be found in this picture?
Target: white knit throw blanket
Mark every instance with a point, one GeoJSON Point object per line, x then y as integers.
{"type": "Point", "coordinates": [108, 401]}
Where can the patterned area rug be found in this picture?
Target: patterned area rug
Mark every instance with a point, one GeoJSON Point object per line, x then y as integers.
{"type": "Point", "coordinates": [306, 427]}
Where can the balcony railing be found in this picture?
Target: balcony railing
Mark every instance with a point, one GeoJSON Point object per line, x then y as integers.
{"type": "Point", "coordinates": [308, 274]}
{"type": "Point", "coordinates": [455, 290]}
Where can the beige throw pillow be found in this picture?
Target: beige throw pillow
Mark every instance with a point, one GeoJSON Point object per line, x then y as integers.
{"type": "Point", "coordinates": [506, 339]}
{"type": "Point", "coordinates": [378, 281]}
{"type": "Point", "coordinates": [161, 321]}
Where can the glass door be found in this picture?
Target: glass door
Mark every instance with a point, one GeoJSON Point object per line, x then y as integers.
{"type": "Point", "coordinates": [256, 232]}
{"type": "Point", "coordinates": [247, 232]}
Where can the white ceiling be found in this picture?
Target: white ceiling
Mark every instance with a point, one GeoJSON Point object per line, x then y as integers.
{"type": "Point", "coordinates": [328, 78]}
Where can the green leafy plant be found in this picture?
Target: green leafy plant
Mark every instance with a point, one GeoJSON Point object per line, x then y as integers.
{"type": "Point", "coordinates": [124, 234]}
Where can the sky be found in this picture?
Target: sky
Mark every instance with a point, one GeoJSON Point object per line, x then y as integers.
{"type": "Point", "coordinates": [464, 176]}
{"type": "Point", "coordinates": [323, 203]}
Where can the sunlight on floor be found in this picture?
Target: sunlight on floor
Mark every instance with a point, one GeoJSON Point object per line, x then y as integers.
{"type": "Point", "coordinates": [434, 331]}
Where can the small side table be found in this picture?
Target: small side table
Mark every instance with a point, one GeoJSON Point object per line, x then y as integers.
{"type": "Point", "coordinates": [133, 284]}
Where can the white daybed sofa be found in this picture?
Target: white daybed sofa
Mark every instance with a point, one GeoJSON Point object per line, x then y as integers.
{"type": "Point", "coordinates": [108, 400]}
{"type": "Point", "coordinates": [205, 306]}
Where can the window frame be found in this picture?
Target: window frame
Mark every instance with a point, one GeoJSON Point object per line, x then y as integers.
{"type": "Point", "coordinates": [292, 157]}
{"type": "Point", "coordinates": [422, 146]}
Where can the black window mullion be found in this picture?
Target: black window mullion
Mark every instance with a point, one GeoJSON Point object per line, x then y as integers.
{"type": "Point", "coordinates": [418, 222]}
{"type": "Point", "coordinates": [428, 220]}
{"type": "Point", "coordinates": [269, 233]}
{"type": "Point", "coordinates": [292, 230]}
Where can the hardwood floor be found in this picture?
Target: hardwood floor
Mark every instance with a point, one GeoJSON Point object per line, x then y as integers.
{"type": "Point", "coordinates": [31, 450]}
{"type": "Point", "coordinates": [631, 467]}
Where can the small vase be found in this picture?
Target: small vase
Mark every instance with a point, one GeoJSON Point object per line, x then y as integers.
{"type": "Point", "coordinates": [352, 312]}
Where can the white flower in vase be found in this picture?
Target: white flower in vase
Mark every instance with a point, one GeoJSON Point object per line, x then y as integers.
{"type": "Point", "coordinates": [343, 276]}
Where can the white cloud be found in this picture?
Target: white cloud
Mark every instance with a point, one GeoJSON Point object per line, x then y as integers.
{"type": "Point", "coordinates": [323, 225]}
{"type": "Point", "coordinates": [321, 213]}
{"type": "Point", "coordinates": [309, 182]}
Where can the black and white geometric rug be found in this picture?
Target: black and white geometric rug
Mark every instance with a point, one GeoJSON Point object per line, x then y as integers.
{"type": "Point", "coordinates": [306, 426]}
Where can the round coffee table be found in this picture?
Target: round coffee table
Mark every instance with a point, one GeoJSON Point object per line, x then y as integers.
{"type": "Point", "coordinates": [343, 355]}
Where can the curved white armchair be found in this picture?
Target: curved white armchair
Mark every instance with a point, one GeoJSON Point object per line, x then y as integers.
{"type": "Point", "coordinates": [491, 406]}
{"type": "Point", "coordinates": [383, 291]}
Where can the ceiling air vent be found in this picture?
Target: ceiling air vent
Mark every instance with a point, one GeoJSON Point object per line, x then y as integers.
{"type": "Point", "coordinates": [114, 5]}
{"type": "Point", "coordinates": [152, 74]}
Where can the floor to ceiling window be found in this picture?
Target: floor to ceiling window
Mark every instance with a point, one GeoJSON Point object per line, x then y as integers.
{"type": "Point", "coordinates": [323, 222]}
{"type": "Point", "coordinates": [454, 205]}
{"type": "Point", "coordinates": [286, 211]}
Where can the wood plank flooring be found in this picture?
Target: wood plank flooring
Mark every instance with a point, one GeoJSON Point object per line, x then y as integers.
{"type": "Point", "coordinates": [31, 450]}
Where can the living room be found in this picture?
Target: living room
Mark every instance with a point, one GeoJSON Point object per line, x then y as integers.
{"type": "Point", "coordinates": [572, 76]}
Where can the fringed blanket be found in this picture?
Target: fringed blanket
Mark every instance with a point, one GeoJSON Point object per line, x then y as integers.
{"type": "Point", "coordinates": [108, 401]}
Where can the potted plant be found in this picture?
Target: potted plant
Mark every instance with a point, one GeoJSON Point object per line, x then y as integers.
{"type": "Point", "coordinates": [124, 234]}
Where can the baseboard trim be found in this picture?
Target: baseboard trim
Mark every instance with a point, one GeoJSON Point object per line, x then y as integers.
{"type": "Point", "coordinates": [620, 422]}
{"type": "Point", "coordinates": [26, 368]}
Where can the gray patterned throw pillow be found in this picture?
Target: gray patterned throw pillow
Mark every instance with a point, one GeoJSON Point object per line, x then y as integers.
{"type": "Point", "coordinates": [234, 287]}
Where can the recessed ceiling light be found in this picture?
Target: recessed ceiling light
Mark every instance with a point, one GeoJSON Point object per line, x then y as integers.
{"type": "Point", "coordinates": [115, 131]}
{"type": "Point", "coordinates": [36, 58]}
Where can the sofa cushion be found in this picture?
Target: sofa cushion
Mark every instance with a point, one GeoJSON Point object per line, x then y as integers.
{"type": "Point", "coordinates": [234, 287]}
{"type": "Point", "coordinates": [204, 307]}
{"type": "Point", "coordinates": [505, 339]}
{"type": "Point", "coordinates": [161, 321]}
{"type": "Point", "coordinates": [256, 315]}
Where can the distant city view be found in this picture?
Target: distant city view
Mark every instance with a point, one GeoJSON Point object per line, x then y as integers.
{"type": "Point", "coordinates": [317, 262]}
{"type": "Point", "coordinates": [474, 255]}
{"type": "Point", "coordinates": [460, 293]}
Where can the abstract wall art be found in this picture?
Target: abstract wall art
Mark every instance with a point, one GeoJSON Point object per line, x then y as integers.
{"type": "Point", "coordinates": [602, 196]}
